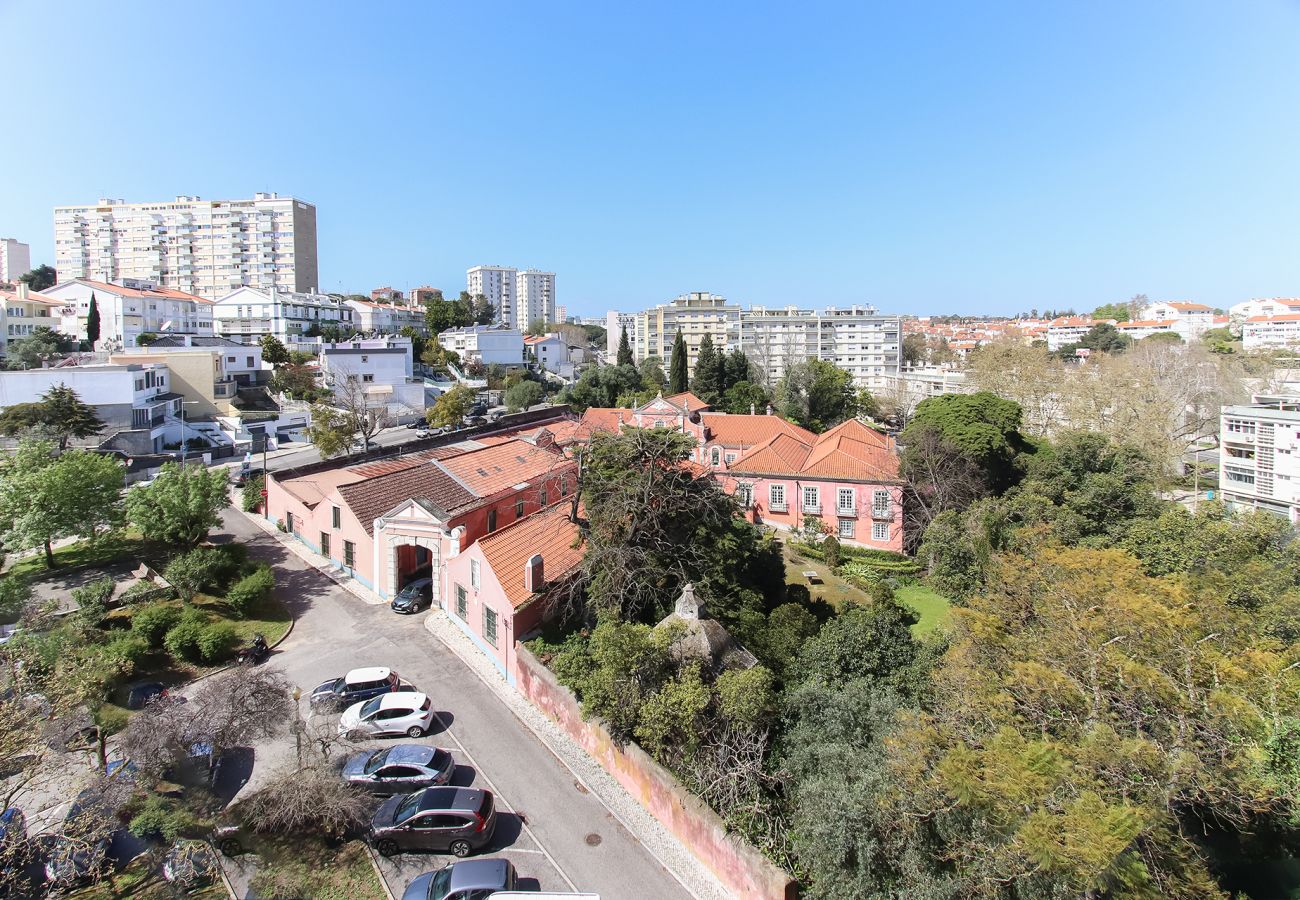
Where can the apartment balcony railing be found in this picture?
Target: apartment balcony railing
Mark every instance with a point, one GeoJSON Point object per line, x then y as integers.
{"type": "Point", "coordinates": [846, 513]}
{"type": "Point", "coordinates": [883, 513]}
{"type": "Point", "coordinates": [778, 507]}
{"type": "Point", "coordinates": [813, 509]}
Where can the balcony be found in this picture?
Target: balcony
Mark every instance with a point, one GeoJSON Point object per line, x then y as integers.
{"type": "Point", "coordinates": [813, 509]}
{"type": "Point", "coordinates": [849, 513]}
{"type": "Point", "coordinates": [882, 513]}
{"type": "Point", "coordinates": [778, 507]}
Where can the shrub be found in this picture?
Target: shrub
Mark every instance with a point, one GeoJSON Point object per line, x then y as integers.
{"type": "Point", "coordinates": [15, 594]}
{"type": "Point", "coordinates": [161, 818]}
{"type": "Point", "coordinates": [92, 599]}
{"type": "Point", "coordinates": [111, 719]}
{"type": "Point", "coordinates": [142, 592]}
{"type": "Point", "coordinates": [206, 569]}
{"type": "Point", "coordinates": [182, 639]}
{"type": "Point", "coordinates": [129, 647]}
{"type": "Point", "coordinates": [216, 641]}
{"type": "Point", "coordinates": [831, 551]}
{"type": "Point", "coordinates": [745, 696]}
{"type": "Point", "coordinates": [250, 591]}
{"type": "Point", "coordinates": [251, 493]}
{"type": "Point", "coordinates": [153, 622]}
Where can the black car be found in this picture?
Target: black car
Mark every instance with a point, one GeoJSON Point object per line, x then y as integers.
{"type": "Point", "coordinates": [247, 474]}
{"type": "Point", "coordinates": [414, 597]}
{"type": "Point", "coordinates": [357, 685]}
{"type": "Point", "coordinates": [400, 769]}
{"type": "Point", "coordinates": [469, 879]}
{"type": "Point", "coordinates": [139, 695]}
{"type": "Point", "coordinates": [81, 849]}
{"type": "Point", "coordinates": [455, 819]}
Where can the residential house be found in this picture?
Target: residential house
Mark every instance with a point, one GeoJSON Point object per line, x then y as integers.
{"type": "Point", "coordinates": [386, 294]}
{"type": "Point", "coordinates": [1267, 306]}
{"type": "Point", "coordinates": [1144, 328]}
{"type": "Point", "coordinates": [394, 520]}
{"type": "Point", "coordinates": [488, 344]}
{"type": "Point", "coordinates": [1070, 330]}
{"type": "Point", "coordinates": [554, 353]}
{"type": "Point", "coordinates": [128, 310]}
{"type": "Point", "coordinates": [1189, 320]}
{"type": "Point", "coordinates": [1281, 330]}
{"type": "Point", "coordinates": [380, 370]}
{"type": "Point", "coordinates": [386, 317]}
{"type": "Point", "coordinates": [496, 588]}
{"type": "Point", "coordinates": [246, 314]}
{"type": "Point", "coordinates": [206, 371]}
{"type": "Point", "coordinates": [25, 312]}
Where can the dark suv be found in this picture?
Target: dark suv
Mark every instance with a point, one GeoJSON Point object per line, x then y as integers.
{"type": "Point", "coordinates": [455, 819]}
{"type": "Point", "coordinates": [357, 685]}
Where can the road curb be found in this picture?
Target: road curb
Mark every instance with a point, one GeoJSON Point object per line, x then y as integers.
{"type": "Point", "coordinates": [374, 864]}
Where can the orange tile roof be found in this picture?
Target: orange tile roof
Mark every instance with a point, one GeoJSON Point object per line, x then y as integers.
{"type": "Point", "coordinates": [1190, 307]}
{"type": "Point", "coordinates": [491, 470]}
{"type": "Point", "coordinates": [1283, 317]}
{"type": "Point", "coordinates": [133, 292]}
{"type": "Point", "coordinates": [1147, 323]}
{"type": "Point", "coordinates": [38, 298]}
{"type": "Point", "coordinates": [549, 533]}
{"type": "Point", "coordinates": [1070, 321]}
{"type": "Point", "coordinates": [749, 431]}
{"type": "Point", "coordinates": [688, 400]}
{"type": "Point", "coordinates": [850, 451]}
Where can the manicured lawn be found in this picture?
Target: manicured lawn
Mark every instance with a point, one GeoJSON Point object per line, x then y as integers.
{"type": "Point", "coordinates": [82, 553]}
{"type": "Point", "coordinates": [931, 607]}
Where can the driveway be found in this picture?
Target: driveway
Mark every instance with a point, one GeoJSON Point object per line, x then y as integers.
{"type": "Point", "coordinates": [559, 836]}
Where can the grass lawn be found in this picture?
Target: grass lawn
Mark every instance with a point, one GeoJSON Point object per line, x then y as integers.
{"type": "Point", "coordinates": [932, 608]}
{"type": "Point", "coordinates": [82, 553]}
{"type": "Point", "coordinates": [305, 868]}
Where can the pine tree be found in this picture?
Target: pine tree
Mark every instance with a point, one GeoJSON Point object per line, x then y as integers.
{"type": "Point", "coordinates": [708, 383]}
{"type": "Point", "coordinates": [92, 321]}
{"type": "Point", "coordinates": [677, 381]}
{"type": "Point", "coordinates": [624, 350]}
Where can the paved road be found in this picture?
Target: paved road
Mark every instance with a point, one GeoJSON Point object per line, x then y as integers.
{"type": "Point", "coordinates": [558, 835]}
{"type": "Point", "coordinates": [389, 437]}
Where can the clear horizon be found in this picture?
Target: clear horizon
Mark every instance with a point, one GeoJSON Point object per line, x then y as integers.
{"type": "Point", "coordinates": [929, 161]}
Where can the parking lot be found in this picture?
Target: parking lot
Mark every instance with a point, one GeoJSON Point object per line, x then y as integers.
{"type": "Point", "coordinates": [558, 835]}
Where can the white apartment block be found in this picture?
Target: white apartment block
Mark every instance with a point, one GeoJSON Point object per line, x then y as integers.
{"type": "Point", "coordinates": [246, 314]}
{"type": "Point", "coordinates": [1276, 331]}
{"type": "Point", "coordinates": [497, 284]}
{"type": "Point", "coordinates": [1144, 328]}
{"type": "Point", "coordinates": [204, 247]}
{"type": "Point", "coordinates": [15, 260]}
{"type": "Point", "coordinates": [1259, 458]}
{"type": "Point", "coordinates": [386, 318]}
{"type": "Point", "coordinates": [1270, 306]}
{"type": "Point", "coordinates": [128, 310]}
{"type": "Point", "coordinates": [615, 323]}
{"type": "Point", "coordinates": [694, 315]}
{"type": "Point", "coordinates": [1189, 320]}
{"type": "Point", "coordinates": [1070, 330]}
{"type": "Point", "coordinates": [856, 339]}
{"type": "Point", "coordinates": [535, 296]}
{"type": "Point", "coordinates": [561, 315]}
{"type": "Point", "coordinates": [24, 312]}
{"type": "Point", "coordinates": [377, 370]}
{"type": "Point", "coordinates": [486, 343]}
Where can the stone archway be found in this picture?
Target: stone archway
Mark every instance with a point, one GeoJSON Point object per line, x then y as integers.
{"type": "Point", "coordinates": [432, 545]}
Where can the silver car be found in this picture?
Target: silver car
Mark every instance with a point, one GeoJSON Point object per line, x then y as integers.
{"type": "Point", "coordinates": [400, 769]}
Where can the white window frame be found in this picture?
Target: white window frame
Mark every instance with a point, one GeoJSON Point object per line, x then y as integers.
{"type": "Point", "coordinates": [847, 529]}
{"type": "Point", "coordinates": [880, 500]}
{"type": "Point", "coordinates": [815, 494]}
{"type": "Point", "coordinates": [880, 531]}
{"type": "Point", "coordinates": [840, 496]}
{"type": "Point", "coordinates": [475, 576]}
{"type": "Point", "coordinates": [715, 457]}
{"type": "Point", "coordinates": [745, 494]}
{"type": "Point", "coordinates": [776, 496]}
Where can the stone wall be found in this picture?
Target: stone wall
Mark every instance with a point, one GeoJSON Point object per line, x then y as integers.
{"type": "Point", "coordinates": [742, 869]}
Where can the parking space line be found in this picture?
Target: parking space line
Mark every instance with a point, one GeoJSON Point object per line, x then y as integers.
{"type": "Point", "coordinates": [501, 798]}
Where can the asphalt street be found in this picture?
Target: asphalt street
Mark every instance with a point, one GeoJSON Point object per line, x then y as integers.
{"type": "Point", "coordinates": [559, 836]}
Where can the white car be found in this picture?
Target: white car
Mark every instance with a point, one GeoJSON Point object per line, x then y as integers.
{"type": "Point", "coordinates": [406, 712]}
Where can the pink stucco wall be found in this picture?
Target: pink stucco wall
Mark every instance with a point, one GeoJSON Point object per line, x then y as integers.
{"type": "Point", "coordinates": [828, 492]}
{"type": "Point", "coordinates": [740, 867]}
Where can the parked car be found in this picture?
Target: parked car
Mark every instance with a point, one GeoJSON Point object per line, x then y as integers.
{"type": "Point", "coordinates": [80, 850]}
{"type": "Point", "coordinates": [359, 684]}
{"type": "Point", "coordinates": [409, 713]}
{"type": "Point", "coordinates": [247, 474]}
{"type": "Point", "coordinates": [455, 819]}
{"type": "Point", "coordinates": [138, 695]}
{"type": "Point", "coordinates": [400, 769]}
{"type": "Point", "coordinates": [471, 879]}
{"type": "Point", "coordinates": [413, 597]}
{"type": "Point", "coordinates": [416, 425]}
{"type": "Point", "coordinates": [475, 420]}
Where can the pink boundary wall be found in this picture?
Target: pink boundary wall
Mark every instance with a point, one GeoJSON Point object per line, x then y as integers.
{"type": "Point", "coordinates": [742, 869]}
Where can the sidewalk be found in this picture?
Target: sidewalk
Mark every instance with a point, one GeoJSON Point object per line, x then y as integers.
{"type": "Point", "coordinates": [297, 548]}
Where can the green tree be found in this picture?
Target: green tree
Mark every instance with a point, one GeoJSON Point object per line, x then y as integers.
{"type": "Point", "coordinates": [145, 338]}
{"type": "Point", "coordinates": [440, 315]}
{"type": "Point", "coordinates": [484, 312]}
{"type": "Point", "coordinates": [708, 372]}
{"type": "Point", "coordinates": [652, 374]}
{"type": "Point", "coordinates": [982, 426]}
{"type": "Point", "coordinates": [602, 387]}
{"type": "Point", "coordinates": [44, 497]}
{"type": "Point", "coordinates": [452, 407]}
{"type": "Point", "coordinates": [1164, 337]}
{"type": "Point", "coordinates": [463, 310]}
{"type": "Point", "coordinates": [624, 350]}
{"type": "Point", "coordinates": [59, 414]}
{"type": "Point", "coordinates": [331, 430]}
{"type": "Point", "coordinates": [816, 394]}
{"type": "Point", "coordinates": [273, 350]}
{"type": "Point", "coordinates": [296, 380]}
{"type": "Point", "coordinates": [914, 349]}
{"type": "Point", "coordinates": [523, 395]}
{"type": "Point", "coordinates": [92, 321]}
{"type": "Point", "coordinates": [1102, 338]}
{"type": "Point", "coordinates": [536, 327]}
{"type": "Point", "coordinates": [36, 348]}
{"type": "Point", "coordinates": [744, 397]}
{"type": "Point", "coordinates": [40, 278]}
{"type": "Point", "coordinates": [1120, 312]}
{"type": "Point", "coordinates": [678, 366]}
{"type": "Point", "coordinates": [181, 505]}
{"type": "Point", "coordinates": [734, 369]}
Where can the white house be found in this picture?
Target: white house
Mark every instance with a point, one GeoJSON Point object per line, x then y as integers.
{"type": "Point", "coordinates": [1070, 330]}
{"type": "Point", "coordinates": [246, 314]}
{"type": "Point", "coordinates": [380, 370]}
{"type": "Point", "coordinates": [1281, 330]}
{"type": "Point", "coordinates": [556, 354]}
{"type": "Point", "coordinates": [1144, 328]}
{"type": "Point", "coordinates": [1259, 459]}
{"type": "Point", "coordinates": [128, 310]}
{"type": "Point", "coordinates": [488, 344]}
{"type": "Point", "coordinates": [136, 397]}
{"type": "Point", "coordinates": [1190, 320]}
{"type": "Point", "coordinates": [386, 318]}
{"type": "Point", "coordinates": [1269, 306]}
{"type": "Point", "coordinates": [22, 312]}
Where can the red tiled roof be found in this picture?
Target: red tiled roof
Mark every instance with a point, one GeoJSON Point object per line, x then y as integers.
{"type": "Point", "coordinates": [1147, 323]}
{"type": "Point", "coordinates": [402, 463]}
{"type": "Point", "coordinates": [749, 431]}
{"type": "Point", "coordinates": [688, 400]}
{"type": "Point", "coordinates": [1282, 317]}
{"type": "Point", "coordinates": [133, 292]}
{"type": "Point", "coordinates": [849, 451]}
{"type": "Point", "coordinates": [1190, 307]}
{"type": "Point", "coordinates": [549, 533]}
{"type": "Point", "coordinates": [491, 470]}
{"type": "Point", "coordinates": [13, 295]}
{"type": "Point", "coordinates": [372, 497]}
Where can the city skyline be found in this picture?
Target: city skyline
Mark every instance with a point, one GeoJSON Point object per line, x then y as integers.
{"type": "Point", "coordinates": [954, 161]}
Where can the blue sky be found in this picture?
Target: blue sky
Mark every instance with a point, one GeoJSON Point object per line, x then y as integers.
{"type": "Point", "coordinates": [926, 157]}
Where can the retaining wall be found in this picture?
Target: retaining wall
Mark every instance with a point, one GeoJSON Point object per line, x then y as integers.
{"type": "Point", "coordinates": [742, 869]}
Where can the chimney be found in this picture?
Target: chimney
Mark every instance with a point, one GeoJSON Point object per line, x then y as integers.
{"type": "Point", "coordinates": [534, 577]}
{"type": "Point", "coordinates": [769, 409]}
{"type": "Point", "coordinates": [752, 409]}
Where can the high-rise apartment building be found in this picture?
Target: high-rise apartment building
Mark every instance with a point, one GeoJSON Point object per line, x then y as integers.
{"type": "Point", "coordinates": [694, 315]}
{"type": "Point", "coordinates": [1259, 456]}
{"type": "Point", "coordinates": [857, 339]}
{"type": "Point", "coordinates": [15, 260]}
{"type": "Point", "coordinates": [615, 324]}
{"type": "Point", "coordinates": [535, 296]}
{"type": "Point", "coordinates": [497, 283]}
{"type": "Point", "coordinates": [203, 247]}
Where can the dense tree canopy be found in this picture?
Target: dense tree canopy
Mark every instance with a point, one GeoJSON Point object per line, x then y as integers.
{"type": "Point", "coordinates": [59, 415]}
{"type": "Point", "coordinates": [624, 357]}
{"type": "Point", "coordinates": [182, 504]}
{"type": "Point", "coordinates": [678, 366]}
{"type": "Point", "coordinates": [42, 345]}
{"type": "Point", "coordinates": [39, 278]}
{"type": "Point", "coordinates": [816, 394]}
